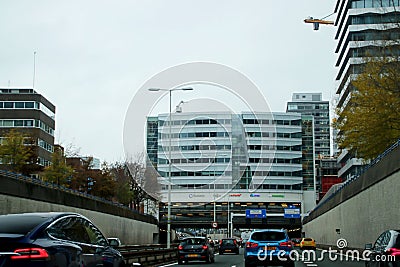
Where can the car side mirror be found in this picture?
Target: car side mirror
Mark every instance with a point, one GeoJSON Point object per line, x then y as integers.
{"type": "Point", "coordinates": [368, 246]}
{"type": "Point", "coordinates": [114, 242]}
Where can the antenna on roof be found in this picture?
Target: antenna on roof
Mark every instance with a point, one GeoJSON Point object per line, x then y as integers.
{"type": "Point", "coordinates": [34, 69]}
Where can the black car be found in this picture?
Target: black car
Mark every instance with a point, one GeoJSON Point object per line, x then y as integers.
{"type": "Point", "coordinates": [385, 251]}
{"type": "Point", "coordinates": [228, 245]}
{"type": "Point", "coordinates": [195, 249]}
{"type": "Point", "coordinates": [54, 239]}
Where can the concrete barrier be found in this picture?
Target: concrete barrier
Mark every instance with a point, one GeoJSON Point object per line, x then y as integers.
{"type": "Point", "coordinates": [20, 195]}
{"type": "Point", "coordinates": [362, 210]}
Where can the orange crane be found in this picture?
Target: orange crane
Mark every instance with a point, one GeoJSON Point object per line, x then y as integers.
{"type": "Point", "coordinates": [316, 22]}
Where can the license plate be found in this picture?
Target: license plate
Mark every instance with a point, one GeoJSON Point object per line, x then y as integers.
{"type": "Point", "coordinates": [271, 248]}
{"type": "Point", "coordinates": [192, 255]}
{"type": "Point", "coordinates": [228, 250]}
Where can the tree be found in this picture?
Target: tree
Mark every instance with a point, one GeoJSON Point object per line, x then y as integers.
{"type": "Point", "coordinates": [370, 122]}
{"type": "Point", "coordinates": [104, 184]}
{"type": "Point", "coordinates": [123, 193]}
{"type": "Point", "coordinates": [17, 152]}
{"type": "Point", "coordinates": [58, 172]}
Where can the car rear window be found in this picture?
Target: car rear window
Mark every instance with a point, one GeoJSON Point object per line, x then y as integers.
{"type": "Point", "coordinates": [307, 239]}
{"type": "Point", "coordinates": [268, 236]}
{"type": "Point", "coordinates": [193, 241]}
{"type": "Point", "coordinates": [14, 224]}
{"type": "Point", "coordinates": [228, 242]}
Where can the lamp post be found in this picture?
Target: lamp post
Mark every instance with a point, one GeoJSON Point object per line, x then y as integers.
{"type": "Point", "coordinates": [169, 155]}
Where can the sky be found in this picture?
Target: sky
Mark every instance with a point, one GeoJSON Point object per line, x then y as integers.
{"type": "Point", "coordinates": [93, 56]}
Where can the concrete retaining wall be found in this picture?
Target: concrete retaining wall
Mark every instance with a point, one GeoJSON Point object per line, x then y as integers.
{"type": "Point", "coordinates": [363, 209]}
{"type": "Point", "coordinates": [18, 195]}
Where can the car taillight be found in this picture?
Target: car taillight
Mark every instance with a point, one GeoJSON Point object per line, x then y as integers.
{"type": "Point", "coordinates": [220, 242]}
{"type": "Point", "coordinates": [393, 251]}
{"type": "Point", "coordinates": [285, 244]}
{"type": "Point", "coordinates": [234, 241]}
{"type": "Point", "coordinates": [251, 245]}
{"type": "Point", "coordinates": [30, 253]}
{"type": "Point", "coordinates": [204, 247]}
{"type": "Point", "coordinates": [180, 247]}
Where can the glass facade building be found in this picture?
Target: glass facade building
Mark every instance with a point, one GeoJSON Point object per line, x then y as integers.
{"type": "Point", "coordinates": [312, 104]}
{"type": "Point", "coordinates": [239, 161]}
{"type": "Point", "coordinates": [365, 28]}
{"type": "Point", "coordinates": [315, 111]}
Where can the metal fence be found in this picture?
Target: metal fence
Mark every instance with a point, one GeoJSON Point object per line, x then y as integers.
{"type": "Point", "coordinates": [363, 170]}
{"type": "Point", "coordinates": [65, 189]}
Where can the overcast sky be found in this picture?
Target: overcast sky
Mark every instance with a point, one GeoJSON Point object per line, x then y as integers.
{"type": "Point", "coordinates": [92, 56]}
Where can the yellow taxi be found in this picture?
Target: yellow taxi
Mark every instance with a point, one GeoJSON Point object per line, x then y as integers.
{"type": "Point", "coordinates": [307, 243]}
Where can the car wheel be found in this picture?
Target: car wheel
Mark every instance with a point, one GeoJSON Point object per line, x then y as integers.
{"type": "Point", "coordinates": [248, 265]}
{"type": "Point", "coordinates": [221, 253]}
{"type": "Point", "coordinates": [213, 259]}
{"type": "Point", "coordinates": [180, 262]}
{"type": "Point", "coordinates": [290, 264]}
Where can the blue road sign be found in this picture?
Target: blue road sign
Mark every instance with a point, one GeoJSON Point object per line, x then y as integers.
{"type": "Point", "coordinates": [292, 213]}
{"type": "Point", "coordinates": [256, 213]}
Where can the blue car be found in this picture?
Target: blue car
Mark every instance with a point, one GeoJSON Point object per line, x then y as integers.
{"type": "Point", "coordinates": [268, 247]}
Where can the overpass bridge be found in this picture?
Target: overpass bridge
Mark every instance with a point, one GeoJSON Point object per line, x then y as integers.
{"type": "Point", "coordinates": [362, 208]}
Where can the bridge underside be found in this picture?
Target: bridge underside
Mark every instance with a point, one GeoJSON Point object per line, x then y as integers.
{"type": "Point", "coordinates": [202, 216]}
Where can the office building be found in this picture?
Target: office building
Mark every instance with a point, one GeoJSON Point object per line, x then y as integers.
{"type": "Point", "coordinates": [242, 161]}
{"type": "Point", "coordinates": [32, 114]}
{"type": "Point", "coordinates": [364, 27]}
{"type": "Point", "coordinates": [311, 104]}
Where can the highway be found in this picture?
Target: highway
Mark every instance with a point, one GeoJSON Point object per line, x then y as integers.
{"type": "Point", "coordinates": [232, 260]}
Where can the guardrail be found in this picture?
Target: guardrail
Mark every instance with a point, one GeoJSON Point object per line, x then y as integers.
{"type": "Point", "coordinates": [148, 255]}
{"type": "Point", "coordinates": [354, 178]}
{"type": "Point", "coordinates": [65, 189]}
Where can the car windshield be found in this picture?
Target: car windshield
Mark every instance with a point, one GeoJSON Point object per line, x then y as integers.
{"type": "Point", "coordinates": [16, 224]}
{"type": "Point", "coordinates": [227, 242]}
{"type": "Point", "coordinates": [268, 236]}
{"type": "Point", "coordinates": [193, 241]}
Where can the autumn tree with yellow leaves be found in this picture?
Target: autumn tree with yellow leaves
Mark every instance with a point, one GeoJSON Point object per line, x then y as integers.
{"type": "Point", "coordinates": [370, 122]}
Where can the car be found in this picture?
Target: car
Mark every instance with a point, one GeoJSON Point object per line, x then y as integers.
{"type": "Point", "coordinates": [228, 245]}
{"type": "Point", "coordinates": [195, 249]}
{"type": "Point", "coordinates": [263, 246]}
{"type": "Point", "coordinates": [60, 239]}
{"type": "Point", "coordinates": [385, 251]}
{"type": "Point", "coordinates": [296, 241]}
{"type": "Point", "coordinates": [307, 243]}
{"type": "Point", "coordinates": [216, 244]}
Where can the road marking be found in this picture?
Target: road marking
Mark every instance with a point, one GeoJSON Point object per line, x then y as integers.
{"type": "Point", "coordinates": [310, 263]}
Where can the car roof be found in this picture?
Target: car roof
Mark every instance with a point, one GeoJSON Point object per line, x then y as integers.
{"type": "Point", "coordinates": [21, 224]}
{"type": "Point", "coordinates": [270, 230]}
{"type": "Point", "coordinates": [41, 214]}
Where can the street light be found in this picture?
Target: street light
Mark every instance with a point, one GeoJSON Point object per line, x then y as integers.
{"type": "Point", "coordinates": [169, 156]}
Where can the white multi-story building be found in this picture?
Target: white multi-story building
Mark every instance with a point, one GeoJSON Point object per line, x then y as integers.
{"type": "Point", "coordinates": [240, 161]}
{"type": "Point", "coordinates": [364, 27]}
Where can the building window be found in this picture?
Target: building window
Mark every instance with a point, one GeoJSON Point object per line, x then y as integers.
{"type": "Point", "coordinates": [8, 104]}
